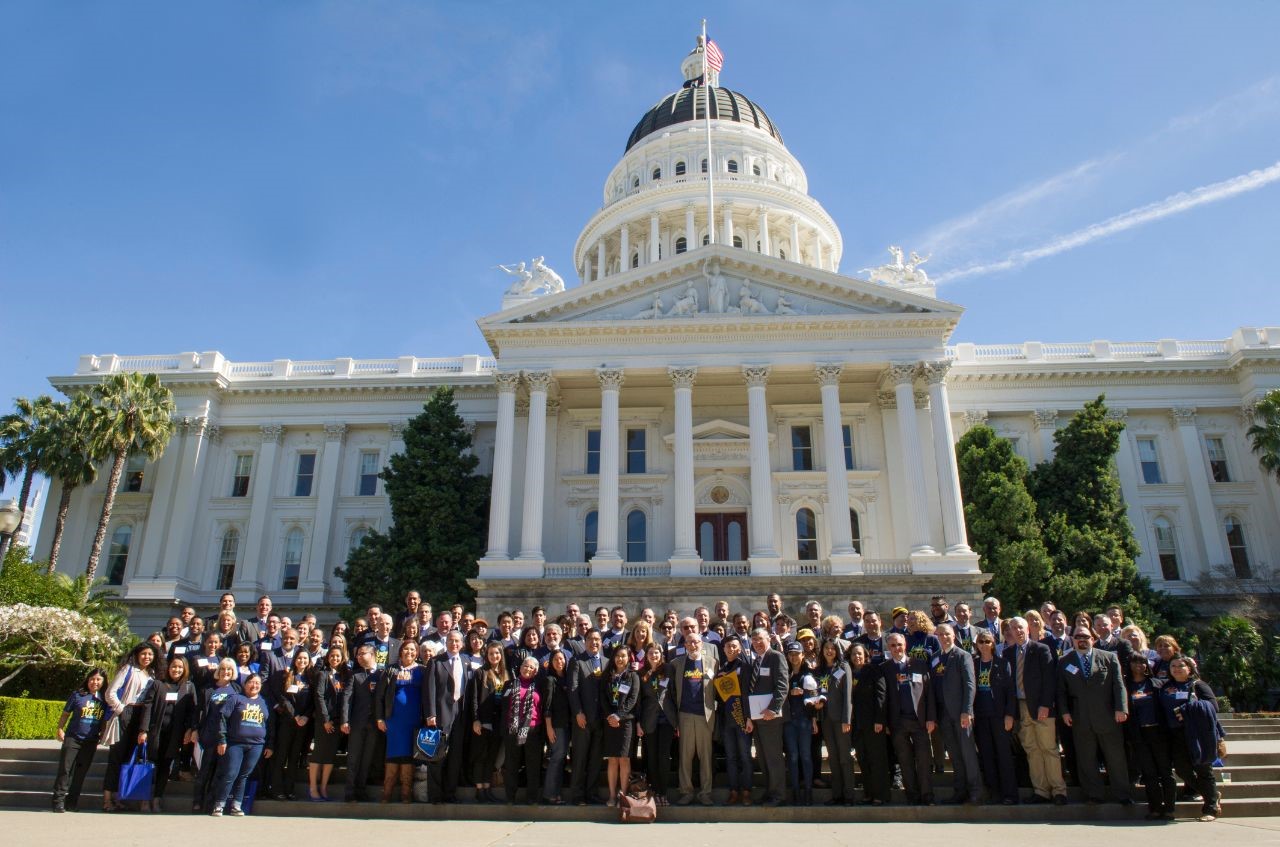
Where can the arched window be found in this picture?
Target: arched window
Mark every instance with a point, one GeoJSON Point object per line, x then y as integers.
{"type": "Point", "coordinates": [357, 538]}
{"type": "Point", "coordinates": [292, 564]}
{"type": "Point", "coordinates": [679, 168]}
{"type": "Point", "coordinates": [681, 244]}
{"type": "Point", "coordinates": [704, 165]}
{"type": "Point", "coordinates": [855, 530]}
{"type": "Point", "coordinates": [636, 547]}
{"type": "Point", "coordinates": [590, 532]}
{"type": "Point", "coordinates": [706, 239]}
{"type": "Point", "coordinates": [737, 241]}
{"type": "Point", "coordinates": [755, 170]}
{"type": "Point", "coordinates": [635, 259]}
{"type": "Point", "coordinates": [806, 535]}
{"type": "Point", "coordinates": [657, 173]}
{"type": "Point", "coordinates": [733, 166]}
{"type": "Point", "coordinates": [1237, 547]}
{"type": "Point", "coordinates": [118, 554]}
{"type": "Point", "coordinates": [635, 182]}
{"type": "Point", "coordinates": [227, 558]}
{"type": "Point", "coordinates": [1167, 549]}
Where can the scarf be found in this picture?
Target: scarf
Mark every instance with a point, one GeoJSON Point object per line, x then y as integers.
{"type": "Point", "coordinates": [520, 710]}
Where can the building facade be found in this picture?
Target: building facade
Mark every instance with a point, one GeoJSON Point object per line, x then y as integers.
{"type": "Point", "coordinates": [715, 411]}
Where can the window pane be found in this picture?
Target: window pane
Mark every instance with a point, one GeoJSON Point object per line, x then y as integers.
{"type": "Point", "coordinates": [240, 481]}
{"type": "Point", "coordinates": [1217, 460]}
{"type": "Point", "coordinates": [1239, 552]}
{"type": "Point", "coordinates": [847, 433]}
{"type": "Point", "coordinates": [855, 530]}
{"type": "Point", "coordinates": [707, 540]}
{"type": "Point", "coordinates": [679, 168]}
{"type": "Point", "coordinates": [735, 532]}
{"type": "Point", "coordinates": [1167, 549]}
{"type": "Point", "coordinates": [801, 448]}
{"type": "Point", "coordinates": [306, 473]}
{"type": "Point", "coordinates": [1150, 461]}
{"type": "Point", "coordinates": [133, 470]}
{"type": "Point", "coordinates": [118, 555]}
{"type": "Point", "coordinates": [227, 559]}
{"type": "Point", "coordinates": [368, 473]}
{"type": "Point", "coordinates": [292, 559]}
{"type": "Point", "coordinates": [635, 451]}
{"type": "Point", "coordinates": [593, 451]}
{"type": "Point", "coordinates": [806, 535]}
{"type": "Point", "coordinates": [681, 244]}
{"type": "Point", "coordinates": [590, 532]}
{"type": "Point", "coordinates": [636, 536]}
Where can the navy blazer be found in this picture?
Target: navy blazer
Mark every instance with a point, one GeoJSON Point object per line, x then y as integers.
{"type": "Point", "coordinates": [921, 691]}
{"type": "Point", "coordinates": [1039, 676]}
{"type": "Point", "coordinates": [584, 689]}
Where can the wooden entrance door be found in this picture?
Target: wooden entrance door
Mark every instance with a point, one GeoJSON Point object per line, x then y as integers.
{"type": "Point", "coordinates": [722, 536]}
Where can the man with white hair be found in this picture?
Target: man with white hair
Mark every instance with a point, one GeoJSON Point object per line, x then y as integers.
{"type": "Point", "coordinates": [1032, 668]}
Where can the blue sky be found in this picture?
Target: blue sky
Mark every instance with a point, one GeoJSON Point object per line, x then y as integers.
{"type": "Point", "coordinates": [311, 180]}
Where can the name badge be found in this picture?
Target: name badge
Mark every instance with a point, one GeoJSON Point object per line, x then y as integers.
{"type": "Point", "coordinates": [1180, 695]}
{"type": "Point", "coordinates": [624, 688]}
{"type": "Point", "coordinates": [292, 689]}
{"type": "Point", "coordinates": [264, 644]}
{"type": "Point", "coordinates": [202, 662]}
{"type": "Point", "coordinates": [766, 671]}
{"type": "Point", "coordinates": [917, 677]}
{"type": "Point", "coordinates": [171, 697]}
{"type": "Point", "coordinates": [179, 650]}
{"type": "Point", "coordinates": [934, 661]}
{"type": "Point", "coordinates": [1072, 669]}
{"type": "Point", "coordinates": [838, 674]}
{"type": "Point", "coordinates": [663, 682]}
{"type": "Point", "coordinates": [1138, 695]}
{"type": "Point", "coordinates": [679, 651]}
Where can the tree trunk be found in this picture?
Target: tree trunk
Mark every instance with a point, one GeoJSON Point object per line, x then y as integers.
{"type": "Point", "coordinates": [59, 525]}
{"type": "Point", "coordinates": [113, 482]}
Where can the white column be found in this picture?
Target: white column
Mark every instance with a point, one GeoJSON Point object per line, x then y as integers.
{"type": "Point", "coordinates": [600, 258]}
{"type": "Point", "coordinates": [1126, 469]}
{"type": "Point", "coordinates": [607, 560]}
{"type": "Point", "coordinates": [727, 234]}
{"type": "Point", "coordinates": [312, 585]}
{"type": "Point", "coordinates": [684, 560]}
{"type": "Point", "coordinates": [500, 490]}
{"type": "Point", "coordinates": [251, 577]}
{"type": "Point", "coordinates": [765, 248]}
{"type": "Point", "coordinates": [162, 496]}
{"type": "Point", "coordinates": [653, 237]}
{"type": "Point", "coordinates": [795, 239]}
{"type": "Point", "coordinates": [535, 459]}
{"type": "Point", "coordinates": [690, 232]}
{"type": "Point", "coordinates": [1198, 476]}
{"type": "Point", "coordinates": [187, 501]}
{"type": "Point", "coordinates": [903, 376]}
{"type": "Point", "coordinates": [624, 261]}
{"type": "Point", "coordinates": [954, 535]}
{"type": "Point", "coordinates": [844, 559]}
{"type": "Point", "coordinates": [1045, 422]}
{"type": "Point", "coordinates": [817, 250]}
{"type": "Point", "coordinates": [395, 444]}
{"type": "Point", "coordinates": [765, 560]}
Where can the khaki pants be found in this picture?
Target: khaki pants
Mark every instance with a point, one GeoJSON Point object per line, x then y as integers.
{"type": "Point", "coordinates": [695, 740]}
{"type": "Point", "coordinates": [1040, 742]}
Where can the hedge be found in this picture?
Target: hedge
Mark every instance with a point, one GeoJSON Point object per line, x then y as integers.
{"type": "Point", "coordinates": [27, 719]}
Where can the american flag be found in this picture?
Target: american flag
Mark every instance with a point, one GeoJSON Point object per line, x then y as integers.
{"type": "Point", "coordinates": [715, 59]}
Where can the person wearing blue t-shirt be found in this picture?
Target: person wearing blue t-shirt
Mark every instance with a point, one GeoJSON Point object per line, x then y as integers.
{"type": "Point", "coordinates": [244, 735]}
{"type": "Point", "coordinates": [78, 729]}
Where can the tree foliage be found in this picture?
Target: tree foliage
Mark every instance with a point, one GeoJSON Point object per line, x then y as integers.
{"type": "Point", "coordinates": [439, 507]}
{"type": "Point", "coordinates": [72, 453]}
{"type": "Point", "coordinates": [22, 449]}
{"type": "Point", "coordinates": [1238, 660]}
{"type": "Point", "coordinates": [1264, 434]}
{"type": "Point", "coordinates": [49, 636]}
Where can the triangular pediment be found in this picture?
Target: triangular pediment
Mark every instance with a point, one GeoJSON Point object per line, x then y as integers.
{"type": "Point", "coordinates": [720, 429]}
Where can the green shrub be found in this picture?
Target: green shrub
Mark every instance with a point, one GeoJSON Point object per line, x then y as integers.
{"type": "Point", "coordinates": [27, 719]}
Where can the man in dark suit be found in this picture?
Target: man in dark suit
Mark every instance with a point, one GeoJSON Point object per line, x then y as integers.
{"type": "Point", "coordinates": [448, 678]}
{"type": "Point", "coordinates": [912, 717]}
{"type": "Point", "coordinates": [695, 701]}
{"type": "Point", "coordinates": [412, 601]}
{"type": "Point", "coordinates": [1106, 638]}
{"type": "Point", "coordinates": [359, 723]}
{"type": "Point", "coordinates": [1033, 669]}
{"type": "Point", "coordinates": [766, 698]}
{"type": "Point", "coordinates": [588, 718]}
{"type": "Point", "coordinates": [1093, 702]}
{"type": "Point", "coordinates": [954, 686]}
{"type": "Point", "coordinates": [385, 647]}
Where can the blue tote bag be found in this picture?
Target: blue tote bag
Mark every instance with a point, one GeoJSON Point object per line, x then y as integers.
{"type": "Point", "coordinates": [137, 776]}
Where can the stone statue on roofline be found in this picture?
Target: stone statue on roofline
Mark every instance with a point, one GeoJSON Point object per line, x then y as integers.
{"type": "Point", "coordinates": [899, 272]}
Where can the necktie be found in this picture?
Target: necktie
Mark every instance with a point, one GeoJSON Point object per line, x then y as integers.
{"type": "Point", "coordinates": [456, 671]}
{"type": "Point", "coordinates": [1086, 662]}
{"type": "Point", "coordinates": [1021, 658]}
{"type": "Point", "coordinates": [755, 674]}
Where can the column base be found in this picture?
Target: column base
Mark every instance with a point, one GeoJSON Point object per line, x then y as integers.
{"type": "Point", "coordinates": [606, 566]}
{"type": "Point", "coordinates": [845, 564]}
{"type": "Point", "coordinates": [939, 564]}
{"type": "Point", "coordinates": [768, 565]}
{"type": "Point", "coordinates": [686, 565]}
{"type": "Point", "coordinates": [960, 550]}
{"type": "Point", "coordinates": [531, 556]}
{"type": "Point", "coordinates": [506, 568]}
{"type": "Point", "coordinates": [311, 593]}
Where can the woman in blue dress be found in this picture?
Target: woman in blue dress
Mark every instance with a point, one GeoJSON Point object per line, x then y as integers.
{"type": "Point", "coordinates": [399, 709]}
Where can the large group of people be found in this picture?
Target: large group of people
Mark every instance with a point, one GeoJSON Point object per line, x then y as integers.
{"type": "Point", "coordinates": [563, 706]}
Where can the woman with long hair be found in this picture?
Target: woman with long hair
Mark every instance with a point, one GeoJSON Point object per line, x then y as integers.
{"type": "Point", "coordinates": [835, 712]}
{"type": "Point", "coordinates": [485, 700]}
{"type": "Point", "coordinates": [638, 642]}
{"type": "Point", "coordinates": [556, 721]}
{"type": "Point", "coordinates": [169, 717]}
{"type": "Point", "coordinates": [1192, 745]}
{"type": "Point", "coordinates": [211, 700]}
{"type": "Point", "coordinates": [658, 721]}
{"type": "Point", "coordinates": [79, 728]}
{"type": "Point", "coordinates": [398, 704]}
{"type": "Point", "coordinates": [520, 711]}
{"type": "Point", "coordinates": [125, 695]}
{"type": "Point", "coordinates": [799, 725]}
{"type": "Point", "coordinates": [291, 696]}
{"type": "Point", "coordinates": [330, 680]}
{"type": "Point", "coordinates": [619, 693]}
{"type": "Point", "coordinates": [870, 723]}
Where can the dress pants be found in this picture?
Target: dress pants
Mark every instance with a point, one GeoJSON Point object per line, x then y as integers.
{"type": "Point", "coordinates": [1155, 763]}
{"type": "Point", "coordinates": [1039, 740]}
{"type": "Point", "coordinates": [915, 755]}
{"type": "Point", "coordinates": [553, 782]}
{"type": "Point", "coordinates": [737, 756]}
{"type": "Point", "coordinates": [528, 755]}
{"type": "Point", "coordinates": [443, 776]}
{"type": "Point", "coordinates": [768, 738]}
{"type": "Point", "coordinates": [206, 778]}
{"type": "Point", "coordinates": [587, 760]}
{"type": "Point", "coordinates": [695, 740]}
{"type": "Point", "coordinates": [873, 758]}
{"type": "Point", "coordinates": [1110, 739]}
{"type": "Point", "coordinates": [656, 746]}
{"type": "Point", "coordinates": [840, 755]}
{"type": "Point", "coordinates": [964, 758]}
{"type": "Point", "coordinates": [73, 764]}
{"type": "Point", "coordinates": [362, 745]}
{"type": "Point", "coordinates": [288, 742]}
{"type": "Point", "coordinates": [995, 752]}
{"type": "Point", "coordinates": [1202, 781]}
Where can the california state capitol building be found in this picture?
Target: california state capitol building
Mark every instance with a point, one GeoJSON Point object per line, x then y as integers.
{"type": "Point", "coordinates": [716, 410]}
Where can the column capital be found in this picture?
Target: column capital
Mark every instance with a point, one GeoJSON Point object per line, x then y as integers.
{"type": "Point", "coordinates": [200, 426]}
{"type": "Point", "coordinates": [935, 373]}
{"type": "Point", "coordinates": [755, 376]}
{"type": "Point", "coordinates": [828, 373]}
{"type": "Point", "coordinates": [886, 400]}
{"type": "Point", "coordinates": [922, 399]}
{"type": "Point", "coordinates": [335, 432]}
{"type": "Point", "coordinates": [1045, 419]}
{"type": "Point", "coordinates": [1183, 415]}
{"type": "Point", "coordinates": [507, 381]}
{"type": "Point", "coordinates": [1248, 413]}
{"type": "Point", "coordinates": [538, 380]}
{"type": "Point", "coordinates": [215, 433]}
{"type": "Point", "coordinates": [902, 372]}
{"type": "Point", "coordinates": [1117, 414]}
{"type": "Point", "coordinates": [272, 433]}
{"type": "Point", "coordinates": [610, 379]}
{"type": "Point", "coordinates": [976, 417]}
{"type": "Point", "coordinates": [681, 376]}
{"type": "Point", "coordinates": [397, 428]}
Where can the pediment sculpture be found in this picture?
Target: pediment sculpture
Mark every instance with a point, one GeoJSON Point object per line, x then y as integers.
{"type": "Point", "coordinates": [899, 272]}
{"type": "Point", "coordinates": [534, 280]}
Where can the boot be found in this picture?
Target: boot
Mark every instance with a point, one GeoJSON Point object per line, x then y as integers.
{"type": "Point", "coordinates": [406, 783]}
{"type": "Point", "coordinates": [389, 774]}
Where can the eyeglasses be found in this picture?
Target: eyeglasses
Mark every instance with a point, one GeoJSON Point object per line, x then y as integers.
{"type": "Point", "coordinates": [1083, 637]}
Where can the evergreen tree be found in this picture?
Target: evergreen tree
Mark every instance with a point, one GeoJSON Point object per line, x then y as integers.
{"type": "Point", "coordinates": [1001, 519]}
{"type": "Point", "coordinates": [1264, 436]}
{"type": "Point", "coordinates": [439, 510]}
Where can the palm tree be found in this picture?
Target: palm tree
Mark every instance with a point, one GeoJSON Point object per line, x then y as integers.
{"type": "Point", "coordinates": [1265, 435]}
{"type": "Point", "coordinates": [72, 457]}
{"type": "Point", "coordinates": [137, 418]}
{"type": "Point", "coordinates": [21, 450]}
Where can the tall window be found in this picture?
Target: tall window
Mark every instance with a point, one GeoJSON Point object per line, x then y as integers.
{"type": "Point", "coordinates": [801, 448]}
{"type": "Point", "coordinates": [855, 531]}
{"type": "Point", "coordinates": [846, 432]}
{"type": "Point", "coordinates": [1217, 459]}
{"type": "Point", "coordinates": [305, 475]}
{"type": "Point", "coordinates": [1167, 549]}
{"type": "Point", "coordinates": [118, 554]}
{"type": "Point", "coordinates": [657, 173]}
{"type": "Point", "coordinates": [679, 168]}
{"type": "Point", "coordinates": [368, 473]}
{"type": "Point", "coordinates": [681, 245]}
{"type": "Point", "coordinates": [635, 451]}
{"type": "Point", "coordinates": [806, 535]}
{"type": "Point", "coordinates": [357, 538]}
{"type": "Point", "coordinates": [704, 165]}
{"type": "Point", "coordinates": [227, 559]}
{"type": "Point", "coordinates": [590, 533]}
{"type": "Point", "coordinates": [132, 479]}
{"type": "Point", "coordinates": [593, 451]}
{"type": "Point", "coordinates": [292, 559]}
{"type": "Point", "coordinates": [1237, 547]}
{"type": "Point", "coordinates": [1150, 461]}
{"type": "Point", "coordinates": [240, 479]}
{"type": "Point", "coordinates": [636, 547]}
{"type": "Point", "coordinates": [635, 259]}
{"type": "Point", "coordinates": [733, 166]}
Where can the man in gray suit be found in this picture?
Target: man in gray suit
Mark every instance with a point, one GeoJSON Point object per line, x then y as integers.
{"type": "Point", "coordinates": [954, 686]}
{"type": "Point", "coordinates": [766, 699]}
{"type": "Point", "coordinates": [1093, 702]}
{"type": "Point", "coordinates": [695, 699]}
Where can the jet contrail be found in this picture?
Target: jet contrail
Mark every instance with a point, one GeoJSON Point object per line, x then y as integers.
{"type": "Point", "coordinates": [1172, 205]}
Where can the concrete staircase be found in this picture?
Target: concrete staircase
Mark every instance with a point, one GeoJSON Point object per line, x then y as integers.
{"type": "Point", "coordinates": [1250, 784]}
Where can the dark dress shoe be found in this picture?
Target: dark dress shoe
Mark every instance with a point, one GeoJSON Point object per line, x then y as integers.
{"type": "Point", "coordinates": [1059, 799]}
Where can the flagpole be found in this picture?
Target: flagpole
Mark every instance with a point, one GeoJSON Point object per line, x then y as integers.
{"type": "Point", "coordinates": [711, 167]}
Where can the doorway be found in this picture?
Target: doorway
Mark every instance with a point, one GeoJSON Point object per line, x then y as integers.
{"type": "Point", "coordinates": [722, 536]}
